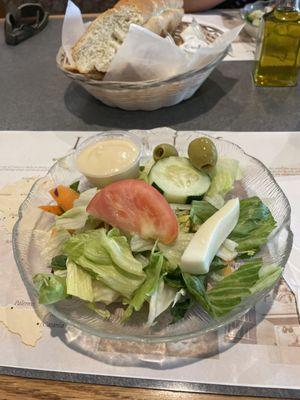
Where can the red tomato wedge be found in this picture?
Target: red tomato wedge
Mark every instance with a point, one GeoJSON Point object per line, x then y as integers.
{"type": "Point", "coordinates": [135, 207]}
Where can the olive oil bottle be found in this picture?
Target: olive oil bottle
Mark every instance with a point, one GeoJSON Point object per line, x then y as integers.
{"type": "Point", "coordinates": [278, 46]}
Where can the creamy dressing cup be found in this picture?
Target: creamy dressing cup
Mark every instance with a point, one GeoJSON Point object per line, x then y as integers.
{"type": "Point", "coordinates": [107, 158]}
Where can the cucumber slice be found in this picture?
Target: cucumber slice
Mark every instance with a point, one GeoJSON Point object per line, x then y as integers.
{"type": "Point", "coordinates": [178, 180]}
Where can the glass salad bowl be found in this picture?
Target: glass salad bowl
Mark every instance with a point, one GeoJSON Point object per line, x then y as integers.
{"type": "Point", "coordinates": [28, 241]}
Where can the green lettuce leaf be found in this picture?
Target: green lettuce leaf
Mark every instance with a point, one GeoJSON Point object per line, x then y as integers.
{"type": "Point", "coordinates": [59, 262]}
{"type": "Point", "coordinates": [226, 172]}
{"type": "Point", "coordinates": [200, 212]}
{"type": "Point", "coordinates": [144, 171]}
{"type": "Point", "coordinates": [179, 310]}
{"type": "Point", "coordinates": [227, 252]}
{"type": "Point", "coordinates": [174, 251]}
{"type": "Point", "coordinates": [112, 276]}
{"type": "Point", "coordinates": [161, 300]}
{"type": "Point", "coordinates": [85, 197]}
{"type": "Point", "coordinates": [77, 217]}
{"type": "Point", "coordinates": [79, 282]}
{"type": "Point", "coordinates": [73, 219]}
{"type": "Point", "coordinates": [103, 293]}
{"type": "Point", "coordinates": [230, 291]}
{"type": "Point", "coordinates": [142, 259]}
{"type": "Point", "coordinates": [51, 288]}
{"type": "Point", "coordinates": [250, 278]}
{"type": "Point", "coordinates": [107, 257]}
{"type": "Point", "coordinates": [119, 250]}
{"type": "Point", "coordinates": [74, 186]}
{"type": "Point", "coordinates": [254, 226]}
{"type": "Point", "coordinates": [196, 287]}
{"type": "Point", "coordinates": [268, 275]}
{"type": "Point", "coordinates": [217, 264]}
{"type": "Point", "coordinates": [75, 246]}
{"type": "Point", "coordinates": [144, 292]}
{"type": "Point", "coordinates": [139, 245]}
{"type": "Point", "coordinates": [252, 230]}
{"type": "Point", "coordinates": [61, 272]}
{"type": "Point", "coordinates": [174, 279]}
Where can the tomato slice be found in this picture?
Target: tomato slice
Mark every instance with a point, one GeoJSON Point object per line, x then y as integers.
{"type": "Point", "coordinates": [135, 207]}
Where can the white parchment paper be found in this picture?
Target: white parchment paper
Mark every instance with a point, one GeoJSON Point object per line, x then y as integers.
{"type": "Point", "coordinates": [145, 55]}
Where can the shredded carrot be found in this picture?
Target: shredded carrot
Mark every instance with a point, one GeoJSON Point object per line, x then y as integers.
{"type": "Point", "coordinates": [56, 210]}
{"type": "Point", "coordinates": [64, 196]}
{"type": "Point", "coordinates": [227, 270]}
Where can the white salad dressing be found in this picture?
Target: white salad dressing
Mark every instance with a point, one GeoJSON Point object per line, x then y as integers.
{"type": "Point", "coordinates": [107, 157]}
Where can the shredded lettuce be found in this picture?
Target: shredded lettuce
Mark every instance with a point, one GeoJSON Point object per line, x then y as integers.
{"type": "Point", "coordinates": [112, 276]}
{"type": "Point", "coordinates": [174, 251]}
{"type": "Point", "coordinates": [100, 265]}
{"type": "Point", "coordinates": [226, 172]}
{"type": "Point", "coordinates": [73, 219]}
{"type": "Point", "coordinates": [142, 259]}
{"type": "Point", "coordinates": [76, 245]}
{"type": "Point", "coordinates": [227, 252]}
{"type": "Point", "coordinates": [161, 300]}
{"type": "Point", "coordinates": [119, 250]}
{"type": "Point", "coordinates": [143, 293]}
{"type": "Point", "coordinates": [108, 258]}
{"type": "Point", "coordinates": [77, 217]}
{"type": "Point", "coordinates": [139, 245]}
{"type": "Point", "coordinates": [79, 282]}
{"type": "Point", "coordinates": [61, 272]}
{"type": "Point", "coordinates": [85, 197]}
{"type": "Point", "coordinates": [103, 293]}
{"type": "Point", "coordinates": [52, 288]}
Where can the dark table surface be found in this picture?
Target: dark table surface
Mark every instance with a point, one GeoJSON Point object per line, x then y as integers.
{"type": "Point", "coordinates": [35, 95]}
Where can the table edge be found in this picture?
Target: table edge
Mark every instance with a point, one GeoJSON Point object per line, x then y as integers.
{"type": "Point", "coordinates": [191, 387]}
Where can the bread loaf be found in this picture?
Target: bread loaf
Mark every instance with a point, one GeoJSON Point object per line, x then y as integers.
{"type": "Point", "coordinates": [95, 50]}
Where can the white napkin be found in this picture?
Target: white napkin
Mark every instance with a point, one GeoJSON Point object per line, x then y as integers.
{"type": "Point", "coordinates": [145, 55]}
{"type": "Point", "coordinates": [73, 28]}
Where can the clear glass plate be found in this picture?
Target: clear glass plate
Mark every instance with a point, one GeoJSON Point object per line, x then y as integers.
{"type": "Point", "coordinates": [257, 180]}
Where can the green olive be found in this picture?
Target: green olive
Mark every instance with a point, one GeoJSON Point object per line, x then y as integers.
{"type": "Point", "coordinates": [202, 153]}
{"type": "Point", "coordinates": [164, 150]}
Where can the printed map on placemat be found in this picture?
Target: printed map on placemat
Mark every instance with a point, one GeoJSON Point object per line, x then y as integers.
{"type": "Point", "coordinates": [270, 334]}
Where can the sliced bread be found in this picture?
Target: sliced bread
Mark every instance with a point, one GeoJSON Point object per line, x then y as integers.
{"type": "Point", "coordinates": [95, 50]}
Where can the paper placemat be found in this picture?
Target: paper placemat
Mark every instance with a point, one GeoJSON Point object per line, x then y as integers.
{"type": "Point", "coordinates": [264, 361]}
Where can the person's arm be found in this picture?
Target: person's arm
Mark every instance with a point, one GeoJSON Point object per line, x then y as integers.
{"type": "Point", "coordinates": [200, 5]}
